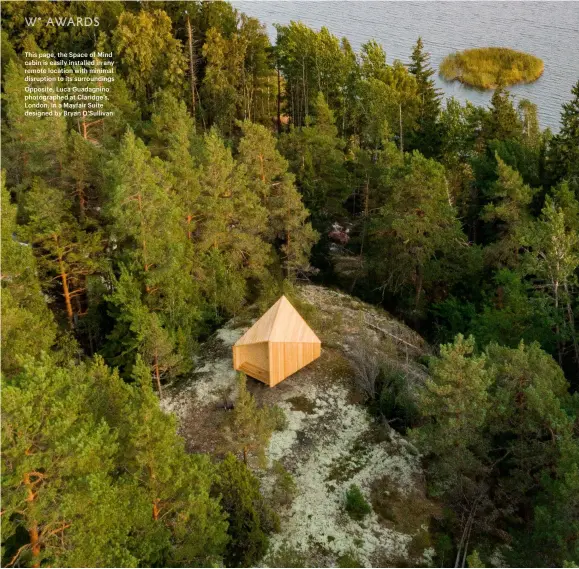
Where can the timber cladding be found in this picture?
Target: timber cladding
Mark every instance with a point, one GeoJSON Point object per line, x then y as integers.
{"type": "Point", "coordinates": [277, 345]}
{"type": "Point", "coordinates": [287, 358]}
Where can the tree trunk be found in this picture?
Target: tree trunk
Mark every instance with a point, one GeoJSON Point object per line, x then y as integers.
{"type": "Point", "coordinates": [557, 329]}
{"type": "Point", "coordinates": [33, 533]}
{"type": "Point", "coordinates": [156, 509]}
{"type": "Point", "coordinates": [189, 219]}
{"type": "Point", "coordinates": [81, 199]}
{"type": "Point", "coordinates": [401, 133]}
{"type": "Point", "coordinates": [65, 289]}
{"type": "Point", "coordinates": [245, 455]}
{"type": "Point", "coordinates": [288, 253]}
{"type": "Point", "coordinates": [305, 92]}
{"type": "Point", "coordinates": [35, 543]}
{"type": "Point", "coordinates": [418, 287]}
{"type": "Point", "coordinates": [143, 240]}
{"type": "Point", "coordinates": [571, 319]}
{"type": "Point", "coordinates": [192, 77]}
{"type": "Point", "coordinates": [157, 374]}
{"type": "Point", "coordinates": [366, 211]}
{"type": "Point", "coordinates": [278, 101]}
{"type": "Point", "coordinates": [261, 167]}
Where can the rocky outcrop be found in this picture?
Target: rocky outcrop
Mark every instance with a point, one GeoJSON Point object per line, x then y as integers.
{"type": "Point", "coordinates": [330, 441]}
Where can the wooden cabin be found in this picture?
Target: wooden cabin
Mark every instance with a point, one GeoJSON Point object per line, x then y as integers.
{"type": "Point", "coordinates": [277, 345]}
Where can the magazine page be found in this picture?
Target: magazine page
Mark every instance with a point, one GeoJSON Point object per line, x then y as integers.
{"type": "Point", "coordinates": [290, 284]}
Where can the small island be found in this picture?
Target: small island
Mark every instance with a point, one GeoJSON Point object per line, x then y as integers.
{"type": "Point", "coordinates": [487, 67]}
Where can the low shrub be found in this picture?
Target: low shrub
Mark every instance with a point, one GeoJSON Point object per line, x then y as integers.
{"type": "Point", "coordinates": [286, 556]}
{"type": "Point", "coordinates": [349, 559]}
{"type": "Point", "coordinates": [365, 361]}
{"type": "Point", "coordinates": [356, 504]}
{"type": "Point", "coordinates": [396, 402]}
{"type": "Point", "coordinates": [285, 489]}
{"type": "Point", "coordinates": [279, 420]}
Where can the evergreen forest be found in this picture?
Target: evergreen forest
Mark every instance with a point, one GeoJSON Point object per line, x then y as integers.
{"type": "Point", "coordinates": [232, 169]}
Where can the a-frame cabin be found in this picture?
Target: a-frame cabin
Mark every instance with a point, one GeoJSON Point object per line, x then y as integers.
{"type": "Point", "coordinates": [277, 345]}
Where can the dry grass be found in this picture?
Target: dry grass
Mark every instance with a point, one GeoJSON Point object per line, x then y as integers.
{"type": "Point", "coordinates": [487, 67]}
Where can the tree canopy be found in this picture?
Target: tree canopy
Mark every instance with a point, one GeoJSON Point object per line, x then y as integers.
{"type": "Point", "coordinates": [231, 168]}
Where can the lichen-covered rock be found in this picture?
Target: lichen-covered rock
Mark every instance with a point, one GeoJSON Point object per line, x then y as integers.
{"type": "Point", "coordinates": [330, 441]}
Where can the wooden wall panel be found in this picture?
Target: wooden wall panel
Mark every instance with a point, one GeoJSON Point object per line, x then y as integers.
{"type": "Point", "coordinates": [288, 357]}
{"type": "Point", "coordinates": [253, 360]}
{"type": "Point", "coordinates": [272, 362]}
{"type": "Point", "coordinates": [273, 365]}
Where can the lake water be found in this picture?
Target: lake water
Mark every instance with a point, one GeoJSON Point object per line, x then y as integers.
{"type": "Point", "coordinates": [549, 30]}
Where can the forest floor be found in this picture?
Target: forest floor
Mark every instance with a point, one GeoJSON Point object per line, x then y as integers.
{"type": "Point", "coordinates": [330, 441]}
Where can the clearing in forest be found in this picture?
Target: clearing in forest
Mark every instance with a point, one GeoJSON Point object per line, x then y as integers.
{"type": "Point", "coordinates": [330, 441]}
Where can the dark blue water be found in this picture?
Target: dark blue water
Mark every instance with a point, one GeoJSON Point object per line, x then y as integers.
{"type": "Point", "coordinates": [549, 30]}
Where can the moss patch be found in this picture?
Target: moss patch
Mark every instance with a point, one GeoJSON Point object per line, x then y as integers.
{"type": "Point", "coordinates": [406, 513]}
{"type": "Point", "coordinates": [346, 466]}
{"type": "Point", "coordinates": [349, 560]}
{"type": "Point", "coordinates": [302, 403]}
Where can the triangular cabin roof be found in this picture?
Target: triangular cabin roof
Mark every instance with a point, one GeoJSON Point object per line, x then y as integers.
{"type": "Point", "coordinates": [281, 323]}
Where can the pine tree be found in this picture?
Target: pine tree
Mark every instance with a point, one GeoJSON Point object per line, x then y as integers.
{"type": "Point", "coordinates": [126, 113]}
{"type": "Point", "coordinates": [419, 228]}
{"type": "Point", "coordinates": [555, 530]}
{"type": "Point", "coordinates": [456, 130]}
{"type": "Point", "coordinates": [512, 313]}
{"type": "Point", "coordinates": [171, 137]}
{"type": "Point", "coordinates": [140, 332]}
{"type": "Point", "coordinates": [509, 211]}
{"type": "Point", "coordinates": [258, 80]}
{"type": "Point", "coordinates": [530, 123]}
{"type": "Point", "coordinates": [456, 401]}
{"type": "Point", "coordinates": [231, 228]}
{"type": "Point", "coordinates": [144, 219]}
{"type": "Point", "coordinates": [151, 57]}
{"type": "Point", "coordinates": [158, 303]}
{"type": "Point", "coordinates": [500, 435]}
{"type": "Point", "coordinates": [28, 328]}
{"type": "Point", "coordinates": [224, 66]}
{"type": "Point", "coordinates": [562, 197]}
{"type": "Point", "coordinates": [388, 99]}
{"type": "Point", "coordinates": [316, 155]}
{"type": "Point", "coordinates": [312, 62]}
{"type": "Point", "coordinates": [57, 463]}
{"type": "Point", "coordinates": [177, 483]}
{"type": "Point", "coordinates": [83, 175]}
{"type": "Point", "coordinates": [269, 179]}
{"type": "Point", "coordinates": [426, 138]}
{"type": "Point", "coordinates": [66, 252]}
{"type": "Point", "coordinates": [503, 121]}
{"type": "Point", "coordinates": [250, 518]}
{"type": "Point", "coordinates": [251, 427]}
{"type": "Point", "coordinates": [106, 130]}
{"type": "Point", "coordinates": [84, 452]}
{"type": "Point", "coordinates": [28, 151]}
{"type": "Point", "coordinates": [528, 416]}
{"type": "Point", "coordinates": [563, 153]}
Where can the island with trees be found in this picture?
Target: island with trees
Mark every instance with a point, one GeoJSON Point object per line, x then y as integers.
{"type": "Point", "coordinates": [489, 67]}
